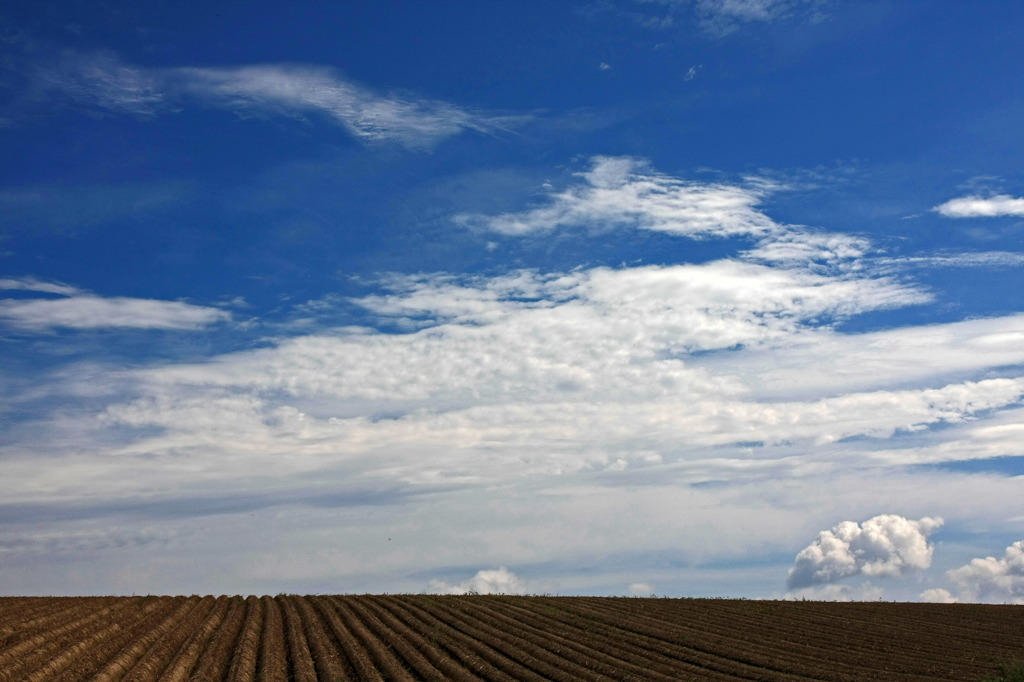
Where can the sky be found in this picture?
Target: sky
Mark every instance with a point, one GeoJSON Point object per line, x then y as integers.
{"type": "Point", "coordinates": [597, 297]}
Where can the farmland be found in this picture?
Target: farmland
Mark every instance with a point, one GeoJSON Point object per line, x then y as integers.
{"type": "Point", "coordinates": [427, 637]}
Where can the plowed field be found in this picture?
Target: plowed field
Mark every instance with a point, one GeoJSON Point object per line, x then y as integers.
{"type": "Point", "coordinates": [424, 637]}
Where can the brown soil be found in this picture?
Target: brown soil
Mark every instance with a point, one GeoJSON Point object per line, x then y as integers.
{"type": "Point", "coordinates": [427, 637]}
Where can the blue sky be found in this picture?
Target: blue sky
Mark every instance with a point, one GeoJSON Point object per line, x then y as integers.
{"type": "Point", "coordinates": [686, 297]}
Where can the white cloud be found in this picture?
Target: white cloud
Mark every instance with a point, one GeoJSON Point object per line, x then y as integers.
{"type": "Point", "coordinates": [723, 17]}
{"type": "Point", "coordinates": [829, 363]}
{"type": "Point", "coordinates": [493, 581]}
{"type": "Point", "coordinates": [838, 592]}
{"type": "Point", "coordinates": [980, 259]}
{"type": "Point", "coordinates": [982, 207]}
{"type": "Point", "coordinates": [625, 192]}
{"type": "Point", "coordinates": [95, 312]}
{"type": "Point", "coordinates": [991, 579]}
{"type": "Point", "coordinates": [33, 284]}
{"type": "Point", "coordinates": [409, 120]}
{"type": "Point", "coordinates": [641, 589]}
{"type": "Point", "coordinates": [884, 546]}
{"type": "Point", "coordinates": [103, 81]}
{"type": "Point", "coordinates": [801, 247]}
{"type": "Point", "coordinates": [937, 595]}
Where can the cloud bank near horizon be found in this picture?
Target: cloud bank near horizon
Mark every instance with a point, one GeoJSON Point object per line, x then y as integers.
{"type": "Point", "coordinates": [719, 378]}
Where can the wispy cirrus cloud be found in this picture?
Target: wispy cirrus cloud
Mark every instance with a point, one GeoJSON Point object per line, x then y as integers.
{"type": "Point", "coordinates": [80, 310]}
{"type": "Point", "coordinates": [102, 81]}
{"type": "Point", "coordinates": [976, 206]}
{"type": "Point", "coordinates": [720, 18]}
{"type": "Point", "coordinates": [33, 284]}
{"type": "Point", "coordinates": [977, 259]}
{"type": "Point", "coordinates": [298, 89]}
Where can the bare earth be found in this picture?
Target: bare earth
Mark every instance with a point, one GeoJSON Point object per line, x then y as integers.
{"type": "Point", "coordinates": [426, 637]}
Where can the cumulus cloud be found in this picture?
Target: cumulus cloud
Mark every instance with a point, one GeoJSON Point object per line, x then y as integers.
{"type": "Point", "coordinates": [95, 312]}
{"type": "Point", "coordinates": [641, 589]}
{"type": "Point", "coordinates": [884, 546]}
{"type": "Point", "coordinates": [992, 579]}
{"type": "Point", "coordinates": [982, 207]}
{"type": "Point", "coordinates": [937, 595]}
{"type": "Point", "coordinates": [626, 192]}
{"type": "Point", "coordinates": [487, 581]}
{"type": "Point", "coordinates": [103, 82]}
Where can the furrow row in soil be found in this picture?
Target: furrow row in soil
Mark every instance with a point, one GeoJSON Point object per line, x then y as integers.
{"type": "Point", "coordinates": [273, 657]}
{"type": "Point", "coordinates": [128, 656]}
{"type": "Point", "coordinates": [652, 657]}
{"type": "Point", "coordinates": [81, 661]}
{"type": "Point", "coordinates": [390, 642]}
{"type": "Point", "coordinates": [35, 651]}
{"type": "Point", "coordinates": [300, 658]}
{"type": "Point", "coordinates": [461, 644]}
{"type": "Point", "coordinates": [184, 660]}
{"type": "Point", "coordinates": [215, 661]}
{"type": "Point", "coordinates": [359, 642]}
{"type": "Point", "coordinates": [149, 667]}
{"type": "Point", "coordinates": [246, 653]}
{"type": "Point", "coordinates": [330, 664]}
{"type": "Point", "coordinates": [683, 638]}
{"type": "Point", "coordinates": [431, 661]}
{"type": "Point", "coordinates": [608, 653]}
{"type": "Point", "coordinates": [553, 651]}
{"type": "Point", "coordinates": [537, 659]}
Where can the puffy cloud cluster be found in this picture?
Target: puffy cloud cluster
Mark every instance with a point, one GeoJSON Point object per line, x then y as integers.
{"type": "Point", "coordinates": [982, 207]}
{"type": "Point", "coordinates": [487, 581]}
{"type": "Point", "coordinates": [992, 579]}
{"type": "Point", "coordinates": [884, 546]}
{"type": "Point", "coordinates": [938, 595]}
{"type": "Point", "coordinates": [625, 192]}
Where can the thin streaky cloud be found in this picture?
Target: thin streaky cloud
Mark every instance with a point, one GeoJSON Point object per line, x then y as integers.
{"type": "Point", "coordinates": [33, 284]}
{"type": "Point", "coordinates": [95, 312]}
{"type": "Point", "coordinates": [981, 259]}
{"type": "Point", "coordinates": [295, 89]}
{"type": "Point", "coordinates": [720, 18]}
{"type": "Point", "coordinates": [102, 81]}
